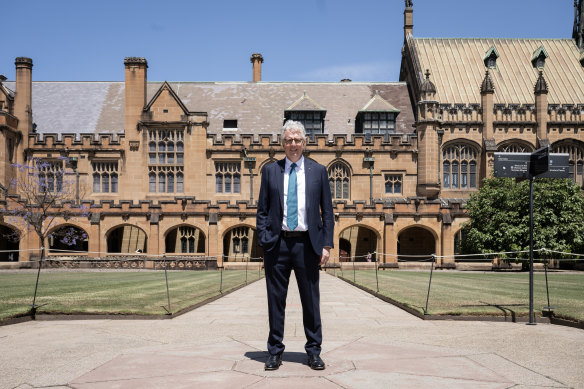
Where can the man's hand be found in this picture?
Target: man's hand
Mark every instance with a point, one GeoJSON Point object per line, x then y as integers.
{"type": "Point", "coordinates": [326, 253]}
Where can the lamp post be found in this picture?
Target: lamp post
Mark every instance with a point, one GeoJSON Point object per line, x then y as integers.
{"type": "Point", "coordinates": [73, 161]}
{"type": "Point", "coordinates": [371, 160]}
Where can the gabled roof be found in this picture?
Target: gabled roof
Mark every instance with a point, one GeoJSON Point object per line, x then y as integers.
{"type": "Point", "coordinates": [259, 107]}
{"type": "Point", "coordinates": [305, 103]}
{"type": "Point", "coordinates": [166, 86]}
{"type": "Point", "coordinates": [378, 104]}
{"type": "Point", "coordinates": [458, 69]}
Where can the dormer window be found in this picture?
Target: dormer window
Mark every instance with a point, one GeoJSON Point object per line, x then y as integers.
{"type": "Point", "coordinates": [309, 113]}
{"type": "Point", "coordinates": [377, 117]}
{"type": "Point", "coordinates": [378, 123]}
{"type": "Point", "coordinates": [490, 58]}
{"type": "Point", "coordinates": [539, 57]}
{"type": "Point", "coordinates": [313, 121]}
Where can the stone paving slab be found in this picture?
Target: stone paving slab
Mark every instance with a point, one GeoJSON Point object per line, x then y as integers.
{"type": "Point", "coordinates": [367, 344]}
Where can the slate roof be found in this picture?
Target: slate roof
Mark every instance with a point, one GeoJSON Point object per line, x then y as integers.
{"type": "Point", "coordinates": [458, 69]}
{"type": "Point", "coordinates": [93, 107]}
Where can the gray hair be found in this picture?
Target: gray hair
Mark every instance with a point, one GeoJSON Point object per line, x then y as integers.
{"type": "Point", "coordinates": [292, 125]}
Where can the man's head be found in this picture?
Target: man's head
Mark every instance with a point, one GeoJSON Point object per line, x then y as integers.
{"type": "Point", "coordinates": [293, 136]}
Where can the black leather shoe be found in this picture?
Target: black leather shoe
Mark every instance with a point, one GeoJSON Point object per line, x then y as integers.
{"type": "Point", "coordinates": [273, 362]}
{"type": "Point", "coordinates": [315, 362]}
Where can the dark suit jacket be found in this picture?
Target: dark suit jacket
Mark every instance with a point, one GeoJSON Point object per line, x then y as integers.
{"type": "Point", "coordinates": [319, 208]}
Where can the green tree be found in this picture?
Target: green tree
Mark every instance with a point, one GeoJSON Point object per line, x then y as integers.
{"type": "Point", "coordinates": [499, 217]}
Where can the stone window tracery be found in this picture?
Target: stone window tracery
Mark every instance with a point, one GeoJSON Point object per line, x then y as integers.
{"type": "Point", "coordinates": [105, 176]}
{"type": "Point", "coordinates": [50, 176]}
{"type": "Point", "coordinates": [227, 177]}
{"type": "Point", "coordinates": [393, 183]}
{"type": "Point", "coordinates": [459, 167]}
{"type": "Point", "coordinates": [166, 160]}
{"type": "Point", "coordinates": [576, 158]}
{"type": "Point", "coordinates": [339, 181]}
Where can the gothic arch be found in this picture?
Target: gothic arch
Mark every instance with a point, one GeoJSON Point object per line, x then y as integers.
{"type": "Point", "coordinates": [356, 241]}
{"type": "Point", "coordinates": [9, 243]}
{"type": "Point", "coordinates": [460, 165]}
{"type": "Point", "coordinates": [339, 174]}
{"type": "Point", "coordinates": [515, 146]}
{"type": "Point", "coordinates": [185, 239]}
{"type": "Point", "coordinates": [416, 242]}
{"type": "Point", "coordinates": [126, 238]}
{"type": "Point", "coordinates": [67, 237]}
{"type": "Point", "coordinates": [240, 243]}
{"type": "Point", "coordinates": [575, 150]}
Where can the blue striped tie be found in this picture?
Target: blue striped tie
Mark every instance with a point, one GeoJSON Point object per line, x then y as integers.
{"type": "Point", "coordinates": [292, 201]}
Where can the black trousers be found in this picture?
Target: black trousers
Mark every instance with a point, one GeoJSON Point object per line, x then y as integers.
{"type": "Point", "coordinates": [293, 253]}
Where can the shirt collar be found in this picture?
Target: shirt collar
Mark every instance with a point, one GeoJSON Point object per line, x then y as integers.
{"type": "Point", "coordinates": [299, 163]}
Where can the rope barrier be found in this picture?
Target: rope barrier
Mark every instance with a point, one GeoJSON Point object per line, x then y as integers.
{"type": "Point", "coordinates": [355, 258]}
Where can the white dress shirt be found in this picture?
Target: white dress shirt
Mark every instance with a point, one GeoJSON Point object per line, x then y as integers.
{"type": "Point", "coordinates": [301, 192]}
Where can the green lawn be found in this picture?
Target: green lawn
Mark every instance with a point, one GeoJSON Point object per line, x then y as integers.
{"type": "Point", "coordinates": [113, 292]}
{"type": "Point", "coordinates": [466, 293]}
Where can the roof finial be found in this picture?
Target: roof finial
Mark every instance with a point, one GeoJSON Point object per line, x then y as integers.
{"type": "Point", "coordinates": [540, 85]}
{"type": "Point", "coordinates": [427, 74]}
{"type": "Point", "coordinates": [487, 86]}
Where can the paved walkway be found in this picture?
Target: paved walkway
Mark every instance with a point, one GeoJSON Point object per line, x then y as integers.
{"type": "Point", "coordinates": [367, 344]}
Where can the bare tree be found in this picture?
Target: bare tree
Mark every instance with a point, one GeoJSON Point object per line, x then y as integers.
{"type": "Point", "coordinates": [47, 193]}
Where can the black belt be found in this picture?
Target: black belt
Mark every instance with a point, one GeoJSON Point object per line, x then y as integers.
{"type": "Point", "coordinates": [294, 234]}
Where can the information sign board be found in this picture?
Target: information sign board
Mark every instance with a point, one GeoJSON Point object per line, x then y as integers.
{"type": "Point", "coordinates": [518, 165]}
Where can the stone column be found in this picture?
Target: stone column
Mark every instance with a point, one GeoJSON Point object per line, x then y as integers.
{"type": "Point", "coordinates": [541, 107]}
{"type": "Point", "coordinates": [428, 142]}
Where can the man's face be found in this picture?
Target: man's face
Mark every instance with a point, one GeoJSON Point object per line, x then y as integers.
{"type": "Point", "coordinates": [293, 145]}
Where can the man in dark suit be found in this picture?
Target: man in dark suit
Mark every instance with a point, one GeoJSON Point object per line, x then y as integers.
{"type": "Point", "coordinates": [295, 228]}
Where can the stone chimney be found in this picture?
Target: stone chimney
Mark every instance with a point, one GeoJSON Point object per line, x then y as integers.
{"type": "Point", "coordinates": [408, 18]}
{"type": "Point", "coordinates": [135, 89]}
{"type": "Point", "coordinates": [23, 96]}
{"type": "Point", "coordinates": [257, 59]}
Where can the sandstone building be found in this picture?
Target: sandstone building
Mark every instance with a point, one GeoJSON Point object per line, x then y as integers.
{"type": "Point", "coordinates": [174, 167]}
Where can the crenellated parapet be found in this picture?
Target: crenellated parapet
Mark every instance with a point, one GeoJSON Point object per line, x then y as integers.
{"type": "Point", "coordinates": [319, 142]}
{"type": "Point", "coordinates": [75, 141]}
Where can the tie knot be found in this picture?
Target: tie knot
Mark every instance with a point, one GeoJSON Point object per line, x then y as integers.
{"type": "Point", "coordinates": [293, 166]}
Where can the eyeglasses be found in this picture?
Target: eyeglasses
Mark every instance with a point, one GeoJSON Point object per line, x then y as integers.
{"type": "Point", "coordinates": [297, 141]}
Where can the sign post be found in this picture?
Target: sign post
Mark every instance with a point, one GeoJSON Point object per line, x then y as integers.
{"type": "Point", "coordinates": [542, 164]}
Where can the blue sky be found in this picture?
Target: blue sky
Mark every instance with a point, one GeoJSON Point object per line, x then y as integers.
{"type": "Point", "coordinates": [212, 40]}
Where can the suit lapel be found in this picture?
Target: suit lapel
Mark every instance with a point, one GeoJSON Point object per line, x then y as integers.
{"type": "Point", "coordinates": [308, 170]}
{"type": "Point", "coordinates": [280, 181]}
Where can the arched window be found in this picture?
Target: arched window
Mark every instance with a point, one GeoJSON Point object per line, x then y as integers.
{"type": "Point", "coordinates": [514, 147]}
{"type": "Point", "coordinates": [339, 181]}
{"type": "Point", "coordinates": [161, 182]}
{"type": "Point", "coordinates": [170, 182]}
{"type": "Point", "coordinates": [96, 182]}
{"type": "Point", "coordinates": [179, 183]}
{"type": "Point", "coordinates": [459, 167]}
{"type": "Point", "coordinates": [236, 183]}
{"type": "Point", "coordinates": [105, 183]}
{"type": "Point", "coordinates": [228, 183]}
{"type": "Point", "coordinates": [576, 158]}
{"type": "Point", "coordinates": [185, 239]}
{"type": "Point", "coordinates": [161, 154]}
{"type": "Point", "coordinates": [114, 179]}
{"type": "Point", "coordinates": [152, 182]}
